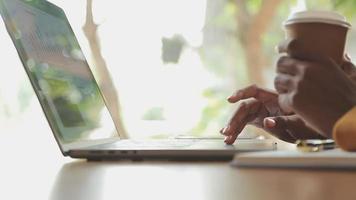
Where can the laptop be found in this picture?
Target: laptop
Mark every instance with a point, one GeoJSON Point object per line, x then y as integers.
{"type": "Point", "coordinates": [72, 101]}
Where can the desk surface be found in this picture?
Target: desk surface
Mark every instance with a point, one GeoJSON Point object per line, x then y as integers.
{"type": "Point", "coordinates": [36, 170]}
{"type": "Point", "coordinates": [169, 180]}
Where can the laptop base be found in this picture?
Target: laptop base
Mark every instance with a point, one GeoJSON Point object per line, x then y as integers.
{"type": "Point", "coordinates": [202, 150]}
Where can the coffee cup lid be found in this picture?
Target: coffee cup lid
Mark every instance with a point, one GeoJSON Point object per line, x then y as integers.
{"type": "Point", "coordinates": [327, 17]}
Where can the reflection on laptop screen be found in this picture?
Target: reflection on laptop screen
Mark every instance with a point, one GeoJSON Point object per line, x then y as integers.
{"type": "Point", "coordinates": [58, 70]}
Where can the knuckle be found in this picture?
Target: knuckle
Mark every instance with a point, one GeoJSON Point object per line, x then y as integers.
{"type": "Point", "coordinates": [243, 106]}
{"type": "Point", "coordinates": [237, 92]}
{"type": "Point", "coordinates": [277, 84]}
{"type": "Point", "coordinates": [278, 80]}
{"type": "Point", "coordinates": [250, 88]}
{"type": "Point", "coordinates": [254, 89]}
{"type": "Point", "coordinates": [281, 61]}
{"type": "Point", "coordinates": [275, 81]}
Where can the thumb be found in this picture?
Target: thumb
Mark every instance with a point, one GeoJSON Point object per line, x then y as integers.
{"type": "Point", "coordinates": [291, 125]}
{"type": "Point", "coordinates": [278, 126]}
{"type": "Point", "coordinates": [280, 122]}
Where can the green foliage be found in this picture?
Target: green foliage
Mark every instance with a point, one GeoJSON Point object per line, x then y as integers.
{"type": "Point", "coordinates": [319, 4]}
{"type": "Point", "coordinates": [344, 3]}
{"type": "Point", "coordinates": [275, 32]}
{"type": "Point", "coordinates": [346, 7]}
{"type": "Point", "coordinates": [215, 111]}
{"type": "Point", "coordinates": [172, 49]}
{"type": "Point", "coordinates": [226, 19]}
{"type": "Point", "coordinates": [253, 6]}
{"type": "Point", "coordinates": [155, 113]}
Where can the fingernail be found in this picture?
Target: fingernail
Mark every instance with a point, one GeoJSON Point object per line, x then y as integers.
{"type": "Point", "coordinates": [224, 130]}
{"type": "Point", "coordinates": [221, 130]}
{"type": "Point", "coordinates": [226, 140]}
{"type": "Point", "coordinates": [235, 96]}
{"type": "Point", "coordinates": [270, 123]}
{"type": "Point", "coordinates": [230, 98]}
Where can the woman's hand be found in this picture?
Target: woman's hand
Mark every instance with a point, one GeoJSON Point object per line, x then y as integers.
{"type": "Point", "coordinates": [260, 108]}
{"type": "Point", "coordinates": [320, 92]}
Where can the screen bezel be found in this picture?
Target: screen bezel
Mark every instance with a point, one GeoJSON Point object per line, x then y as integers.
{"type": "Point", "coordinates": [56, 11]}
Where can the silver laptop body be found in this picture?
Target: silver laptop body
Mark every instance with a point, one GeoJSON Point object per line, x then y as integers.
{"type": "Point", "coordinates": [72, 101]}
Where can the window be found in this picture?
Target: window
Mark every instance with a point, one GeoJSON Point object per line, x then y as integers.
{"type": "Point", "coordinates": [172, 62]}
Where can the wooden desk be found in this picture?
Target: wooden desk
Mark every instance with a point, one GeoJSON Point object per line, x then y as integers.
{"type": "Point", "coordinates": [160, 180]}
{"type": "Point", "coordinates": [62, 179]}
{"type": "Point", "coordinates": [32, 168]}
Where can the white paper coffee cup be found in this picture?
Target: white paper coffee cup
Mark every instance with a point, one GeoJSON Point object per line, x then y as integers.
{"type": "Point", "coordinates": [315, 35]}
{"type": "Point", "coordinates": [327, 17]}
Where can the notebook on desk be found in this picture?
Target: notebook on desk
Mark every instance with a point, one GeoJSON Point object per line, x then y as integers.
{"type": "Point", "coordinates": [72, 101]}
{"type": "Point", "coordinates": [330, 159]}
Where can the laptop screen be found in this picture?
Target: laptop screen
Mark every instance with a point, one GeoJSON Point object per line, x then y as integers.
{"type": "Point", "coordinates": [58, 71]}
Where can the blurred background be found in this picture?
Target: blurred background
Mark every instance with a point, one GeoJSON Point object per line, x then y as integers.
{"type": "Point", "coordinates": [166, 67]}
